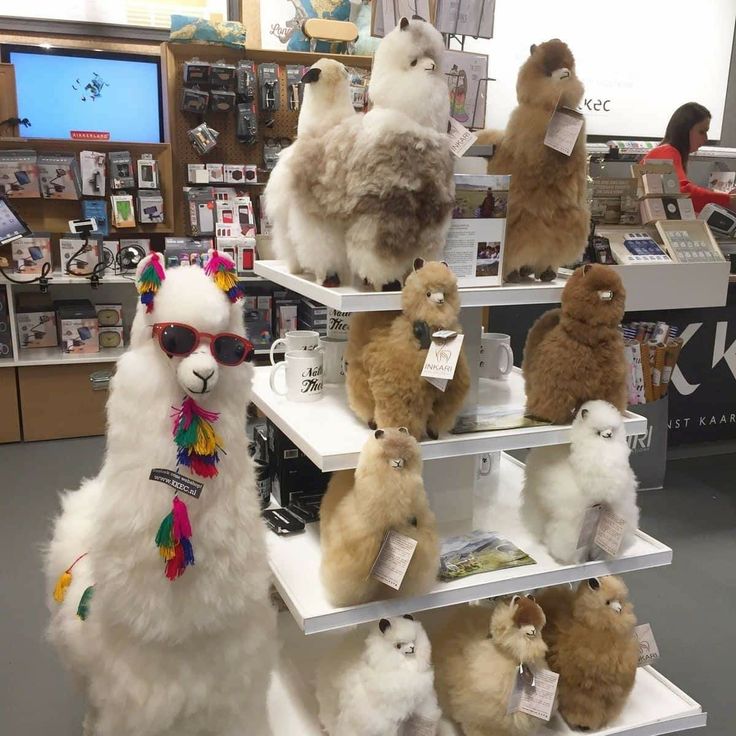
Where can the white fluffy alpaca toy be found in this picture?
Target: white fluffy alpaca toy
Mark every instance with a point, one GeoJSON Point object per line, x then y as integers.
{"type": "Point", "coordinates": [563, 481]}
{"type": "Point", "coordinates": [164, 646]}
{"type": "Point", "coordinates": [376, 684]}
{"type": "Point", "coordinates": [379, 187]}
{"type": "Point", "coordinates": [327, 102]}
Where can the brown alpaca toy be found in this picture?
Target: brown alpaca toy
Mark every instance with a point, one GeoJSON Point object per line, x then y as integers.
{"type": "Point", "coordinates": [548, 214]}
{"type": "Point", "coordinates": [592, 647]}
{"type": "Point", "coordinates": [385, 492]}
{"type": "Point", "coordinates": [386, 353]}
{"type": "Point", "coordinates": [476, 664]}
{"type": "Point", "coordinates": [575, 353]}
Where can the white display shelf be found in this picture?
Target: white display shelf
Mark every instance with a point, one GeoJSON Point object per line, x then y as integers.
{"type": "Point", "coordinates": [295, 563]}
{"type": "Point", "coordinates": [655, 706]}
{"type": "Point", "coordinates": [331, 436]}
{"type": "Point", "coordinates": [358, 299]}
{"type": "Point", "coordinates": [54, 356]}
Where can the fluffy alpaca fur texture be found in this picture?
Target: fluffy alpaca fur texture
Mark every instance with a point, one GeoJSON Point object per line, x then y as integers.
{"type": "Point", "coordinates": [385, 357]}
{"type": "Point", "coordinates": [476, 660]}
{"type": "Point", "coordinates": [327, 102]}
{"type": "Point", "coordinates": [385, 492]}
{"type": "Point", "coordinates": [379, 189]}
{"type": "Point", "coordinates": [576, 353]}
{"type": "Point", "coordinates": [592, 646]}
{"type": "Point", "coordinates": [187, 657]}
{"type": "Point", "coordinates": [548, 215]}
{"type": "Point", "coordinates": [563, 481]}
{"type": "Point", "coordinates": [374, 684]}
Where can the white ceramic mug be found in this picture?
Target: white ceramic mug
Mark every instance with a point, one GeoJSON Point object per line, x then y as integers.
{"type": "Point", "coordinates": [496, 356]}
{"type": "Point", "coordinates": [303, 372]}
{"type": "Point", "coordinates": [296, 340]}
{"type": "Point", "coordinates": [338, 324]}
{"type": "Point", "coordinates": [333, 351]}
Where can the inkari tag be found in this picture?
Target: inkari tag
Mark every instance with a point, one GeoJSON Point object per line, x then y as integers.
{"type": "Point", "coordinates": [563, 130]}
{"type": "Point", "coordinates": [589, 527]}
{"type": "Point", "coordinates": [177, 481]}
{"type": "Point", "coordinates": [460, 138]}
{"type": "Point", "coordinates": [648, 649]}
{"type": "Point", "coordinates": [418, 726]}
{"type": "Point", "coordinates": [535, 698]}
{"type": "Point", "coordinates": [610, 532]}
{"type": "Point", "coordinates": [442, 357]}
{"type": "Point", "coordinates": [393, 559]}
{"type": "Point", "coordinates": [439, 383]}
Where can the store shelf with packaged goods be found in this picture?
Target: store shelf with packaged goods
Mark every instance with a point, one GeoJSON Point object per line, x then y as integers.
{"type": "Point", "coordinates": [54, 356]}
{"type": "Point", "coordinates": [57, 277]}
{"type": "Point", "coordinates": [295, 563]}
{"type": "Point", "coordinates": [337, 444]}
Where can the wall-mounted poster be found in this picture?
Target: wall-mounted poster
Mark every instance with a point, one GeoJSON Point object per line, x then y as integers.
{"type": "Point", "coordinates": [468, 84]}
{"type": "Point", "coordinates": [388, 13]}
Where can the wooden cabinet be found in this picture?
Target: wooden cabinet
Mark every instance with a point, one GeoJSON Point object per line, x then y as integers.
{"type": "Point", "coordinates": [9, 417]}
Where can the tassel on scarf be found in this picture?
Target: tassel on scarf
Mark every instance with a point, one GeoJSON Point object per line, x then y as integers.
{"type": "Point", "coordinates": [84, 601]}
{"type": "Point", "coordinates": [65, 580]}
{"type": "Point", "coordinates": [173, 540]}
{"type": "Point", "coordinates": [150, 280]}
{"type": "Point", "coordinates": [222, 271]}
{"type": "Point", "coordinates": [196, 438]}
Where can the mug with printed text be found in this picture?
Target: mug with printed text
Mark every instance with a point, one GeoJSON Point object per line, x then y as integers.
{"type": "Point", "coordinates": [333, 351]}
{"type": "Point", "coordinates": [296, 340]}
{"type": "Point", "coordinates": [303, 371]}
{"type": "Point", "coordinates": [496, 355]}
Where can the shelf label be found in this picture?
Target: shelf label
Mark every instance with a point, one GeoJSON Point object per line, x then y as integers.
{"type": "Point", "coordinates": [393, 559]}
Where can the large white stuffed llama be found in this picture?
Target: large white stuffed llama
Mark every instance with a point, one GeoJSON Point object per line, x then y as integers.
{"type": "Point", "coordinates": [165, 615]}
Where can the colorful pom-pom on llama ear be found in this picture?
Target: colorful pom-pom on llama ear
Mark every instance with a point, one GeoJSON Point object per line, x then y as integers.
{"type": "Point", "coordinates": [150, 276]}
{"type": "Point", "coordinates": [221, 270]}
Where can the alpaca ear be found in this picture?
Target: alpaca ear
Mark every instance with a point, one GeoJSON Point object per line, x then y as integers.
{"type": "Point", "coordinates": [584, 413]}
{"type": "Point", "coordinates": [384, 624]}
{"type": "Point", "coordinates": [378, 434]}
{"type": "Point", "coordinates": [408, 616]}
{"type": "Point", "coordinates": [221, 270]}
{"type": "Point", "coordinates": [445, 263]}
{"type": "Point", "coordinates": [311, 75]}
{"type": "Point", "coordinates": [404, 24]}
{"type": "Point", "coordinates": [403, 430]}
{"type": "Point", "coordinates": [532, 598]}
{"type": "Point", "coordinates": [149, 276]}
{"type": "Point", "coordinates": [594, 584]}
{"type": "Point", "coordinates": [532, 49]}
{"type": "Point", "coordinates": [586, 268]}
{"type": "Point", "coordinates": [418, 263]}
{"type": "Point", "coordinates": [515, 600]}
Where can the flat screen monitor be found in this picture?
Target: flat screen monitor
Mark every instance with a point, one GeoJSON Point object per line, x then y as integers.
{"type": "Point", "coordinates": [87, 95]}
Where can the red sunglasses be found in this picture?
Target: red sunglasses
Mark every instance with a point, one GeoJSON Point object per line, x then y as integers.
{"type": "Point", "coordinates": [181, 340]}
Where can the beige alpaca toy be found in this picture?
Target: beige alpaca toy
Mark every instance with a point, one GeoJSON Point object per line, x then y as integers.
{"type": "Point", "coordinates": [385, 492]}
{"type": "Point", "coordinates": [548, 215]}
{"type": "Point", "coordinates": [386, 353]}
{"type": "Point", "coordinates": [592, 646]}
{"type": "Point", "coordinates": [476, 661]}
{"type": "Point", "coordinates": [575, 353]}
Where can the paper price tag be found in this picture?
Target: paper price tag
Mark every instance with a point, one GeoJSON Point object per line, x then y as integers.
{"type": "Point", "coordinates": [589, 527]}
{"type": "Point", "coordinates": [442, 358]}
{"type": "Point", "coordinates": [393, 559]}
{"type": "Point", "coordinates": [460, 138]}
{"type": "Point", "coordinates": [537, 699]}
{"type": "Point", "coordinates": [563, 130]}
{"type": "Point", "coordinates": [648, 649]}
{"type": "Point", "coordinates": [610, 532]}
{"type": "Point", "coordinates": [418, 726]}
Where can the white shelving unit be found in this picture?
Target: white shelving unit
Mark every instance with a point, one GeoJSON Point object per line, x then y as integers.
{"type": "Point", "coordinates": [328, 433]}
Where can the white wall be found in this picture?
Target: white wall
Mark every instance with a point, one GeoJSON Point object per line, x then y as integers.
{"type": "Point", "coordinates": [645, 57]}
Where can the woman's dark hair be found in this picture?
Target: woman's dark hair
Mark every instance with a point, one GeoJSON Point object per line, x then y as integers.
{"type": "Point", "coordinates": [680, 124]}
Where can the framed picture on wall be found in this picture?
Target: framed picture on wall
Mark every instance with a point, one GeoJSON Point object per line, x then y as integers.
{"type": "Point", "coordinates": [466, 17]}
{"type": "Point", "coordinates": [387, 13]}
{"type": "Point", "coordinates": [467, 83]}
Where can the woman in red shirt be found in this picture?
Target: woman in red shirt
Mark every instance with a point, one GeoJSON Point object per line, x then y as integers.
{"type": "Point", "coordinates": [686, 132]}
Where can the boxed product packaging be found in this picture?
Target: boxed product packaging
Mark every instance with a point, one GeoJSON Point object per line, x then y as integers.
{"type": "Point", "coordinates": [150, 207]}
{"type": "Point", "coordinates": [666, 208]}
{"type": "Point", "coordinates": [121, 170]}
{"type": "Point", "coordinates": [234, 173]}
{"type": "Point", "coordinates": [77, 256]}
{"type": "Point", "coordinates": [6, 346]}
{"type": "Point", "coordinates": [222, 75]}
{"type": "Point", "coordinates": [258, 316]}
{"type": "Point", "coordinates": [285, 306]}
{"type": "Point", "coordinates": [97, 209]}
{"type": "Point", "coordinates": [245, 216]}
{"type": "Point", "coordinates": [186, 251]}
{"type": "Point", "coordinates": [77, 325]}
{"type": "Point", "coordinates": [225, 212]}
{"type": "Point", "coordinates": [123, 212]}
{"type": "Point", "coordinates": [110, 337]}
{"type": "Point", "coordinates": [147, 172]}
{"type": "Point", "coordinates": [59, 176]}
{"type": "Point", "coordinates": [201, 210]}
{"type": "Point", "coordinates": [194, 100]}
{"type": "Point", "coordinates": [198, 174]}
{"type": "Point", "coordinates": [222, 100]}
{"type": "Point", "coordinates": [196, 71]}
{"type": "Point", "coordinates": [29, 255]}
{"type": "Point", "coordinates": [93, 173]}
{"type": "Point", "coordinates": [312, 316]}
{"type": "Point", "coordinates": [36, 321]}
{"type": "Point", "coordinates": [614, 202]}
{"type": "Point", "coordinates": [292, 472]}
{"type": "Point", "coordinates": [214, 173]}
{"type": "Point", "coordinates": [246, 259]}
{"type": "Point", "coordinates": [109, 315]}
{"type": "Point", "coordinates": [19, 174]}
{"type": "Point", "coordinates": [130, 252]}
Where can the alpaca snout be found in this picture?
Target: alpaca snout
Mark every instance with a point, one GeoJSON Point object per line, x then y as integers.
{"type": "Point", "coordinates": [616, 606]}
{"type": "Point", "coordinates": [409, 649]}
{"type": "Point", "coordinates": [437, 297]}
{"type": "Point", "coordinates": [560, 74]}
{"type": "Point", "coordinates": [198, 373]}
{"type": "Point", "coordinates": [398, 463]}
{"type": "Point", "coordinates": [431, 66]}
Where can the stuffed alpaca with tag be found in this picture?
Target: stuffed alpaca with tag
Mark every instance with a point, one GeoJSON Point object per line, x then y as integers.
{"type": "Point", "coordinates": [327, 101]}
{"type": "Point", "coordinates": [561, 482]}
{"type": "Point", "coordinates": [383, 180]}
{"type": "Point", "coordinates": [386, 353]}
{"type": "Point", "coordinates": [385, 492]}
{"type": "Point", "coordinates": [548, 214]}
{"type": "Point", "coordinates": [160, 599]}
{"type": "Point", "coordinates": [477, 659]}
{"type": "Point", "coordinates": [593, 648]}
{"type": "Point", "coordinates": [380, 683]}
{"type": "Point", "coordinates": [575, 353]}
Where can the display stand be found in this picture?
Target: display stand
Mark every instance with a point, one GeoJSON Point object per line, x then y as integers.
{"type": "Point", "coordinates": [470, 483]}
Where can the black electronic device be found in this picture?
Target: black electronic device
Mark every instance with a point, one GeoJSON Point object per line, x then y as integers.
{"type": "Point", "coordinates": [282, 522]}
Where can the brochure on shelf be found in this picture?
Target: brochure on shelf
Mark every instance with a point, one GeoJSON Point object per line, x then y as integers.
{"type": "Point", "coordinates": [479, 551]}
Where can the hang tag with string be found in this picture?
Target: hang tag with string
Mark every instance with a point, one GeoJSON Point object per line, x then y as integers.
{"type": "Point", "coordinates": [563, 130]}
{"type": "Point", "coordinates": [393, 559]}
{"type": "Point", "coordinates": [442, 357]}
{"type": "Point", "coordinates": [533, 692]}
{"type": "Point", "coordinates": [648, 649]}
{"type": "Point", "coordinates": [461, 139]}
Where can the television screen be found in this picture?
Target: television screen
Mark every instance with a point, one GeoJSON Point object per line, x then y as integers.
{"type": "Point", "coordinates": [87, 95]}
